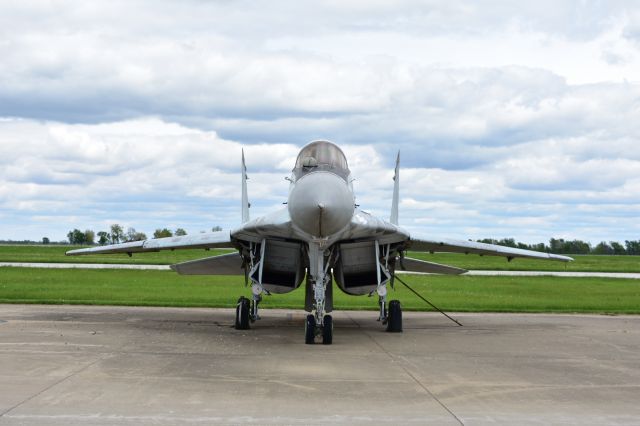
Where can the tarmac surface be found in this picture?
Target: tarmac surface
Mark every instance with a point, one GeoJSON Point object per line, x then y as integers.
{"type": "Point", "coordinates": [66, 365]}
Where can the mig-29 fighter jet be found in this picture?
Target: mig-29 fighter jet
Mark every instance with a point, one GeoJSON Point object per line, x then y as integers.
{"type": "Point", "coordinates": [320, 236]}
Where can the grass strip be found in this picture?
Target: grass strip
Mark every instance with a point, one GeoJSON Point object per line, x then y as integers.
{"type": "Point", "coordinates": [451, 293]}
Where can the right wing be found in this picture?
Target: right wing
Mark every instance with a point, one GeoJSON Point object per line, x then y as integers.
{"type": "Point", "coordinates": [458, 246]}
{"type": "Point", "coordinates": [219, 239]}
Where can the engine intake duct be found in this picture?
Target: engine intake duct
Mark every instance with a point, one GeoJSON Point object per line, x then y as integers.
{"type": "Point", "coordinates": [356, 270]}
{"type": "Point", "coordinates": [282, 267]}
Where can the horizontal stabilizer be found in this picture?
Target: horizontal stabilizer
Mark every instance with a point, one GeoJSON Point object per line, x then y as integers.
{"type": "Point", "coordinates": [409, 264]}
{"type": "Point", "coordinates": [226, 264]}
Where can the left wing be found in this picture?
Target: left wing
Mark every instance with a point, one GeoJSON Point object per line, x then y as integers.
{"type": "Point", "coordinates": [459, 246]}
{"type": "Point", "coordinates": [219, 239]}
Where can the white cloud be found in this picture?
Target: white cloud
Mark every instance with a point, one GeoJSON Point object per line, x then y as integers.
{"type": "Point", "coordinates": [508, 115]}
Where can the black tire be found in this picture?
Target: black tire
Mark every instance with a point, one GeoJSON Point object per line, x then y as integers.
{"type": "Point", "coordinates": [327, 330]}
{"type": "Point", "coordinates": [394, 318]}
{"type": "Point", "coordinates": [310, 330]}
{"type": "Point", "coordinates": [243, 309]}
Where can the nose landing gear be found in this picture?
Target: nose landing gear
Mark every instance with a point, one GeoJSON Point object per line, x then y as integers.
{"type": "Point", "coordinates": [311, 329]}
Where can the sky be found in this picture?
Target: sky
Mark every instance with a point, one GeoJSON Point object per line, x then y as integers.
{"type": "Point", "coordinates": [513, 119]}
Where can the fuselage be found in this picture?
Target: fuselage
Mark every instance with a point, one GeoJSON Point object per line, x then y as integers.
{"type": "Point", "coordinates": [321, 217]}
{"type": "Point", "coordinates": [321, 205]}
{"type": "Point", "coordinates": [321, 202]}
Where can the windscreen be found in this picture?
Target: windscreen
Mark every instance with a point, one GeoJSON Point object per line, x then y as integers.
{"type": "Point", "coordinates": [322, 155]}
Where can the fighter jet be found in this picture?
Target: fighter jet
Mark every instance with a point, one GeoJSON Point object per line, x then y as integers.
{"type": "Point", "coordinates": [319, 237]}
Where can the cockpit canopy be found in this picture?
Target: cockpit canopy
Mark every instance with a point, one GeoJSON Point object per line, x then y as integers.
{"type": "Point", "coordinates": [321, 155]}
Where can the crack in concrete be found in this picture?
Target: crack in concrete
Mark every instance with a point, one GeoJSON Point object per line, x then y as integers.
{"type": "Point", "coordinates": [408, 373]}
{"type": "Point", "coordinates": [80, 370]}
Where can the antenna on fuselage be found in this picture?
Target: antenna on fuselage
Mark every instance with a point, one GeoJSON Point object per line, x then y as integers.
{"type": "Point", "coordinates": [245, 197]}
{"type": "Point", "coordinates": [396, 192]}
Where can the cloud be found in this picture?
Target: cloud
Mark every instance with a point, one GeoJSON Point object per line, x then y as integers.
{"type": "Point", "coordinates": [505, 113]}
{"type": "Point", "coordinates": [148, 173]}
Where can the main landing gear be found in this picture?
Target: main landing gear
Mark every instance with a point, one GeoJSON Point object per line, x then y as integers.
{"type": "Point", "coordinates": [243, 311]}
{"type": "Point", "coordinates": [246, 312]}
{"type": "Point", "coordinates": [325, 330]}
{"type": "Point", "coordinates": [394, 317]}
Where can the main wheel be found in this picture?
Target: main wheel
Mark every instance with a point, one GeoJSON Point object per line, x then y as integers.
{"type": "Point", "coordinates": [394, 319]}
{"type": "Point", "coordinates": [243, 309]}
{"type": "Point", "coordinates": [327, 330]}
{"type": "Point", "coordinates": [310, 330]}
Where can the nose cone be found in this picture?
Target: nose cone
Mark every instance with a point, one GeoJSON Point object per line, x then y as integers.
{"type": "Point", "coordinates": [321, 203]}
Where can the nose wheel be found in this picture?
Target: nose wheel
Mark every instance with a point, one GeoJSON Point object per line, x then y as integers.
{"type": "Point", "coordinates": [311, 329]}
{"type": "Point", "coordinates": [327, 330]}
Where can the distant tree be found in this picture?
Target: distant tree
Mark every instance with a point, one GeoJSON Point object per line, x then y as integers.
{"type": "Point", "coordinates": [216, 228]}
{"type": "Point", "coordinates": [76, 237]}
{"type": "Point", "coordinates": [603, 248]}
{"type": "Point", "coordinates": [556, 245]}
{"type": "Point", "coordinates": [539, 247]}
{"type": "Point", "coordinates": [162, 233]}
{"type": "Point", "coordinates": [89, 237]}
{"type": "Point", "coordinates": [117, 234]}
{"type": "Point", "coordinates": [133, 235]}
{"type": "Point", "coordinates": [576, 247]}
{"type": "Point", "coordinates": [618, 248]}
{"type": "Point", "coordinates": [103, 238]}
{"type": "Point", "coordinates": [180, 232]}
{"type": "Point", "coordinates": [508, 242]}
{"type": "Point", "coordinates": [633, 247]}
{"type": "Point", "coordinates": [45, 240]}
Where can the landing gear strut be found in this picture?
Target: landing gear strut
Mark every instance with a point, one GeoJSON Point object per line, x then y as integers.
{"type": "Point", "coordinates": [319, 294]}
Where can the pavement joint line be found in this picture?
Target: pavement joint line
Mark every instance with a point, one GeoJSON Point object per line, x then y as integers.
{"type": "Point", "coordinates": [408, 373]}
{"type": "Point", "coordinates": [80, 370]}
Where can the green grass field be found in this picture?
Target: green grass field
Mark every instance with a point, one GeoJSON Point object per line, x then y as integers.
{"type": "Point", "coordinates": [451, 293]}
{"type": "Point", "coordinates": [587, 263]}
{"type": "Point", "coordinates": [55, 254]}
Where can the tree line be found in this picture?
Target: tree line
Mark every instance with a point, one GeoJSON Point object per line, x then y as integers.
{"type": "Point", "coordinates": [561, 246]}
{"type": "Point", "coordinates": [116, 235]}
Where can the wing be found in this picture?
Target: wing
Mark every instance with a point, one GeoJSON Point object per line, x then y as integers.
{"type": "Point", "coordinates": [459, 246]}
{"type": "Point", "coordinates": [218, 239]}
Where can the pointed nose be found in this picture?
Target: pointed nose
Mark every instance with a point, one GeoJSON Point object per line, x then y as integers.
{"type": "Point", "coordinates": [321, 203]}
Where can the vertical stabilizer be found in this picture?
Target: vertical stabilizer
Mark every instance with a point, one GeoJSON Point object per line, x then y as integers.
{"type": "Point", "coordinates": [396, 192]}
{"type": "Point", "coordinates": [245, 197]}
